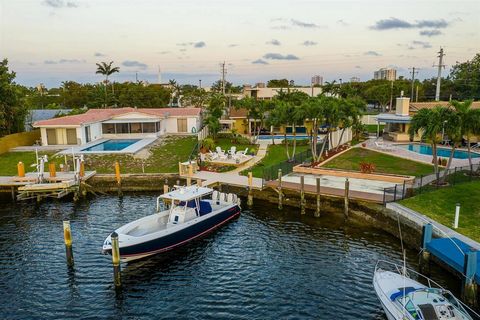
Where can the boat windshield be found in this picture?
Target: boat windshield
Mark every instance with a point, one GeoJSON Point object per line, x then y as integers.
{"type": "Point", "coordinates": [411, 309]}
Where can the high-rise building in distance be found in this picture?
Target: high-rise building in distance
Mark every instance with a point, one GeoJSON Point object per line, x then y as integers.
{"type": "Point", "coordinates": [317, 81]}
{"type": "Point", "coordinates": [354, 79]}
{"type": "Point", "coordinates": [385, 74]}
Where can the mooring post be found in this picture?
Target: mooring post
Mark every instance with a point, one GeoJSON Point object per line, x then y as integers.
{"type": "Point", "coordinates": [67, 236]}
{"type": "Point", "coordinates": [302, 194]}
{"type": "Point", "coordinates": [427, 231]}
{"type": "Point", "coordinates": [178, 182]}
{"type": "Point", "coordinates": [347, 187]}
{"type": "Point", "coordinates": [457, 216]}
{"type": "Point", "coordinates": [250, 189]}
{"type": "Point", "coordinates": [116, 259]}
{"type": "Point", "coordinates": [317, 212]}
{"type": "Point", "coordinates": [82, 169]}
{"type": "Point", "coordinates": [280, 194]}
{"type": "Point", "coordinates": [118, 178]}
{"type": "Point", "coordinates": [52, 170]}
{"type": "Point", "coordinates": [190, 174]}
{"type": "Point", "coordinates": [469, 286]}
{"type": "Point", "coordinates": [165, 186]}
{"type": "Point", "coordinates": [21, 169]}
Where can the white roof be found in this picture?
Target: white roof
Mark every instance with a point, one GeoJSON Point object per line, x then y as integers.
{"type": "Point", "coordinates": [187, 193]}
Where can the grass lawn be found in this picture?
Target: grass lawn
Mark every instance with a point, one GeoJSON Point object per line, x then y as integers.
{"type": "Point", "coordinates": [275, 154]}
{"type": "Point", "coordinates": [9, 161]}
{"type": "Point", "coordinates": [372, 128]}
{"type": "Point", "coordinates": [384, 163]}
{"type": "Point", "coordinates": [226, 143]}
{"type": "Point", "coordinates": [164, 158]}
{"type": "Point", "coordinates": [440, 206]}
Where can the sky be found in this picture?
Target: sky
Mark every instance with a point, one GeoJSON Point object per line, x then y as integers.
{"type": "Point", "coordinates": [50, 41]}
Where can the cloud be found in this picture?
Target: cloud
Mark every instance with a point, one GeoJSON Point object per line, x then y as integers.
{"type": "Point", "coordinates": [358, 67]}
{"type": "Point", "coordinates": [60, 4]}
{"type": "Point", "coordinates": [274, 42]}
{"type": "Point", "coordinates": [163, 52]}
{"type": "Point", "coordinates": [259, 61]}
{"type": "Point", "coordinates": [430, 33]}
{"type": "Point", "coordinates": [99, 54]}
{"type": "Point", "coordinates": [309, 43]}
{"type": "Point", "coordinates": [278, 56]}
{"type": "Point", "coordinates": [281, 27]}
{"type": "Point", "coordinates": [134, 64]}
{"type": "Point", "coordinates": [372, 53]}
{"type": "Point", "coordinates": [395, 23]}
{"type": "Point", "coordinates": [233, 45]}
{"type": "Point", "coordinates": [422, 44]}
{"type": "Point", "coordinates": [303, 24]}
{"type": "Point", "coordinates": [183, 50]}
{"type": "Point", "coordinates": [64, 61]}
{"type": "Point", "coordinates": [199, 44]}
{"type": "Point", "coordinates": [342, 22]}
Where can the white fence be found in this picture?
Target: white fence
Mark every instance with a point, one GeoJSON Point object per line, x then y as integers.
{"type": "Point", "coordinates": [335, 138]}
{"type": "Point", "coordinates": [202, 134]}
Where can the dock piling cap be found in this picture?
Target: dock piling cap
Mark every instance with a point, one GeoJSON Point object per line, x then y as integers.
{"type": "Point", "coordinates": [114, 235]}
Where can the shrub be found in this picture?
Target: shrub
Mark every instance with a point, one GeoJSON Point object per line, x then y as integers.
{"type": "Point", "coordinates": [208, 144]}
{"type": "Point", "coordinates": [444, 162]}
{"type": "Point", "coordinates": [367, 167]}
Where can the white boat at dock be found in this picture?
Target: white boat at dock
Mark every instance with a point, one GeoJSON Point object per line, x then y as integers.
{"type": "Point", "coordinates": [404, 298]}
{"type": "Point", "coordinates": [192, 212]}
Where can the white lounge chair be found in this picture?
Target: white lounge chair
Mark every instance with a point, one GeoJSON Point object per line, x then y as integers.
{"type": "Point", "coordinates": [232, 151]}
{"type": "Point", "coordinates": [221, 153]}
{"type": "Point", "coordinates": [242, 153]}
{"type": "Point", "coordinates": [475, 146]}
{"type": "Point", "coordinates": [384, 146]}
{"type": "Point", "coordinates": [212, 155]}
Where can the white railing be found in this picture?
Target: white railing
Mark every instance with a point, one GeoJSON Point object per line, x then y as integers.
{"type": "Point", "coordinates": [202, 134]}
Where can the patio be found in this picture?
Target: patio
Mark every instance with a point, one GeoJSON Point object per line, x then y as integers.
{"type": "Point", "coordinates": [227, 157]}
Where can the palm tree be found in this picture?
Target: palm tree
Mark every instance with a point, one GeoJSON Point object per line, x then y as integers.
{"type": "Point", "coordinates": [106, 69]}
{"type": "Point", "coordinates": [350, 111]}
{"type": "Point", "coordinates": [469, 122]}
{"type": "Point", "coordinates": [430, 123]}
{"type": "Point", "coordinates": [313, 109]}
{"type": "Point", "coordinates": [454, 129]}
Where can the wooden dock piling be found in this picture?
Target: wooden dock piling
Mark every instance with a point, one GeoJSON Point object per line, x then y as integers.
{"type": "Point", "coordinates": [280, 194]}
{"type": "Point", "coordinates": [250, 189]}
{"type": "Point", "coordinates": [317, 212]}
{"type": "Point", "coordinates": [67, 236]}
{"type": "Point", "coordinates": [118, 178]}
{"type": "Point", "coordinates": [190, 174]}
{"type": "Point", "coordinates": [52, 170]}
{"type": "Point", "coordinates": [116, 260]}
{"type": "Point", "coordinates": [302, 194]}
{"type": "Point", "coordinates": [21, 169]}
{"type": "Point", "coordinates": [347, 187]}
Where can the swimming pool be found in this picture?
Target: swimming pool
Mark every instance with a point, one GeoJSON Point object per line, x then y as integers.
{"type": "Point", "coordinates": [289, 137]}
{"type": "Point", "coordinates": [112, 145]}
{"type": "Point", "coordinates": [441, 152]}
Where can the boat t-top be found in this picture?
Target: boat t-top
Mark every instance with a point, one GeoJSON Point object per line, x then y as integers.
{"type": "Point", "coordinates": [190, 212]}
{"type": "Point", "coordinates": [403, 298]}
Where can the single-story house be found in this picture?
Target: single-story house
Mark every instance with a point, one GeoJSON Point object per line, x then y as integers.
{"type": "Point", "coordinates": [110, 123]}
{"type": "Point", "coordinates": [397, 123]}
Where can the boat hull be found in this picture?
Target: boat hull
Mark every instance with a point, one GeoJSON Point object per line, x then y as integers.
{"type": "Point", "coordinates": [178, 238]}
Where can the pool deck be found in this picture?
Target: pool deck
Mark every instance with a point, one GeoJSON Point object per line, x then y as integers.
{"type": "Point", "coordinates": [411, 155]}
{"type": "Point", "coordinates": [133, 148]}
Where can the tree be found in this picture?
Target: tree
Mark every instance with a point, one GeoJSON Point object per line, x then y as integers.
{"type": "Point", "coordinates": [12, 111]}
{"type": "Point", "coordinates": [350, 112]}
{"type": "Point", "coordinates": [466, 78]}
{"type": "Point", "coordinates": [215, 109]}
{"type": "Point", "coordinates": [430, 123]}
{"type": "Point", "coordinates": [106, 69]}
{"type": "Point", "coordinates": [453, 128]}
{"type": "Point", "coordinates": [381, 94]}
{"type": "Point", "coordinates": [196, 97]}
{"type": "Point", "coordinates": [278, 83]}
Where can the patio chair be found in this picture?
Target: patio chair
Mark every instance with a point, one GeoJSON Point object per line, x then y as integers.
{"type": "Point", "coordinates": [212, 155]}
{"type": "Point", "coordinates": [232, 150]}
{"type": "Point", "coordinates": [475, 146]}
{"type": "Point", "coordinates": [221, 153]}
{"type": "Point", "coordinates": [242, 153]}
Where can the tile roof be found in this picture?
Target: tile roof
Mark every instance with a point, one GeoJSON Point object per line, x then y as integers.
{"type": "Point", "coordinates": [415, 106]}
{"type": "Point", "coordinates": [95, 115]}
{"type": "Point", "coordinates": [238, 113]}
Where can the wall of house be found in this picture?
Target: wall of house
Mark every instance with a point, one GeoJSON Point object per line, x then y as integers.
{"type": "Point", "coordinates": [171, 125]}
{"type": "Point", "coordinates": [192, 123]}
{"type": "Point", "coordinates": [241, 126]}
{"type": "Point", "coordinates": [43, 136]}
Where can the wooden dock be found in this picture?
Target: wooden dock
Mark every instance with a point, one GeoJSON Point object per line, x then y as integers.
{"type": "Point", "coordinates": [23, 188]}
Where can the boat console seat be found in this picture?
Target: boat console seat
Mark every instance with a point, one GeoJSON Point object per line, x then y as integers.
{"type": "Point", "coordinates": [205, 207]}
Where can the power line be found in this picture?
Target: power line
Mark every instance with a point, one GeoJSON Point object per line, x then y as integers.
{"type": "Point", "coordinates": [223, 76]}
{"type": "Point", "coordinates": [413, 72]}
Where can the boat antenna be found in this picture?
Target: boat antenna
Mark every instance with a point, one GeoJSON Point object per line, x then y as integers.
{"type": "Point", "coordinates": [404, 271]}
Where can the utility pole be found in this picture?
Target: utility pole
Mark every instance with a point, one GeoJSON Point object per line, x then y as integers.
{"type": "Point", "coordinates": [413, 72]}
{"type": "Point", "coordinates": [223, 77]}
{"type": "Point", "coordinates": [200, 83]}
{"type": "Point", "coordinates": [159, 76]}
{"type": "Point", "coordinates": [439, 75]}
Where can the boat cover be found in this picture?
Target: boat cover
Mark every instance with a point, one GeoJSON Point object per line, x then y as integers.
{"type": "Point", "coordinates": [400, 291]}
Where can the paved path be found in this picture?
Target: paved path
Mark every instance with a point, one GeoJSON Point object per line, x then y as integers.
{"type": "Point", "coordinates": [439, 229]}
{"type": "Point", "coordinates": [261, 153]}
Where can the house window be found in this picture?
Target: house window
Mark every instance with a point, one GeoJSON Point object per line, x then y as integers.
{"type": "Point", "coordinates": [88, 136]}
{"type": "Point", "coordinates": [51, 137]}
{"type": "Point", "coordinates": [71, 136]}
{"type": "Point", "coordinates": [148, 127]}
{"type": "Point", "coordinates": [122, 127]}
{"type": "Point", "coordinates": [108, 128]}
{"type": "Point", "coordinates": [135, 127]}
{"type": "Point", "coordinates": [157, 126]}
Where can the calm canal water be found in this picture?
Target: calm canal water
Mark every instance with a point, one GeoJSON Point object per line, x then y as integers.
{"type": "Point", "coordinates": [265, 265]}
